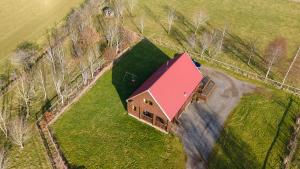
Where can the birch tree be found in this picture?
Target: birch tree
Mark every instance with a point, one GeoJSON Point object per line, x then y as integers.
{"type": "Point", "coordinates": [42, 80]}
{"type": "Point", "coordinates": [274, 51]}
{"type": "Point", "coordinates": [4, 120]}
{"type": "Point", "coordinates": [290, 67]}
{"type": "Point", "coordinates": [142, 24]}
{"type": "Point", "coordinates": [119, 6]}
{"type": "Point", "coordinates": [3, 158]}
{"type": "Point", "coordinates": [18, 131]}
{"type": "Point", "coordinates": [24, 57]}
{"type": "Point", "coordinates": [192, 41]}
{"type": "Point", "coordinates": [171, 18]}
{"type": "Point", "coordinates": [199, 19]}
{"type": "Point", "coordinates": [132, 4]}
{"type": "Point", "coordinates": [252, 47]}
{"type": "Point", "coordinates": [55, 57]}
{"type": "Point", "coordinates": [88, 40]}
{"type": "Point", "coordinates": [206, 41]}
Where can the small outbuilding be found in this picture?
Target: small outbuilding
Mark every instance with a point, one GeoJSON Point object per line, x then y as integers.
{"type": "Point", "coordinates": [161, 99]}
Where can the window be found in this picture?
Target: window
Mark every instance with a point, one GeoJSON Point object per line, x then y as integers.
{"type": "Point", "coordinates": [148, 102]}
{"type": "Point", "coordinates": [159, 119]}
{"type": "Point", "coordinates": [148, 114]}
{"type": "Point", "coordinates": [133, 108]}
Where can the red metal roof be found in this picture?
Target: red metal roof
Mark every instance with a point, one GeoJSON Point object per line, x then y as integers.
{"type": "Point", "coordinates": [172, 84]}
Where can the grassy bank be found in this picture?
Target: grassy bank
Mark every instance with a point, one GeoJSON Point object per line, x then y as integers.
{"type": "Point", "coordinates": [97, 132]}
{"type": "Point", "coordinates": [256, 133]}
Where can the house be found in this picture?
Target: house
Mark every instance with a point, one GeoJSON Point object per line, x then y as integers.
{"type": "Point", "coordinates": [160, 100]}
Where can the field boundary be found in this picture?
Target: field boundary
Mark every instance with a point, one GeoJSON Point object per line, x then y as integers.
{"type": "Point", "coordinates": [55, 154]}
{"type": "Point", "coordinates": [250, 75]}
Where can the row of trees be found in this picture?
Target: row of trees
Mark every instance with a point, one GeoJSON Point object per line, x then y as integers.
{"type": "Point", "coordinates": [211, 43]}
{"type": "Point", "coordinates": [71, 49]}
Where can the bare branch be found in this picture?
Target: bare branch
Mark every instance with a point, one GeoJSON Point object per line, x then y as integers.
{"type": "Point", "coordinates": [18, 131]}
{"type": "Point", "coordinates": [199, 19]}
{"type": "Point", "coordinates": [171, 18]}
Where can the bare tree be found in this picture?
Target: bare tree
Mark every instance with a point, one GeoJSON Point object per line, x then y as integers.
{"type": "Point", "coordinates": [199, 19]}
{"type": "Point", "coordinates": [252, 48]}
{"type": "Point", "coordinates": [88, 40]}
{"type": "Point", "coordinates": [55, 56]}
{"type": "Point", "coordinates": [18, 131]}
{"type": "Point", "coordinates": [206, 41]}
{"type": "Point", "coordinates": [25, 93]}
{"type": "Point", "coordinates": [142, 24]}
{"type": "Point", "coordinates": [3, 158]}
{"type": "Point", "coordinates": [291, 65]}
{"type": "Point", "coordinates": [192, 41]}
{"type": "Point", "coordinates": [4, 120]}
{"type": "Point", "coordinates": [132, 4]}
{"type": "Point", "coordinates": [171, 18]}
{"type": "Point", "coordinates": [274, 51]}
{"type": "Point", "coordinates": [119, 6]}
{"type": "Point", "coordinates": [42, 80]}
{"type": "Point", "coordinates": [112, 33]}
{"type": "Point", "coordinates": [24, 57]}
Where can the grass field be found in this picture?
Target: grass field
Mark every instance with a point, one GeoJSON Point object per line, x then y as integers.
{"type": "Point", "coordinates": [32, 156]}
{"type": "Point", "coordinates": [22, 20]}
{"type": "Point", "coordinates": [97, 132]}
{"type": "Point", "coordinates": [256, 133]}
{"type": "Point", "coordinates": [245, 20]}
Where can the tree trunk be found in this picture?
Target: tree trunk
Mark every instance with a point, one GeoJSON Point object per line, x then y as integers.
{"type": "Point", "coordinates": [287, 73]}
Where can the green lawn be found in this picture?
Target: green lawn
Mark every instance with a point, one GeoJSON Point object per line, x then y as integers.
{"type": "Point", "coordinates": [97, 132]}
{"type": "Point", "coordinates": [245, 20]}
{"type": "Point", "coordinates": [256, 133]}
{"type": "Point", "coordinates": [22, 20]}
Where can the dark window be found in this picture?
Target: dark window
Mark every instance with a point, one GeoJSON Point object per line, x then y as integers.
{"type": "Point", "coordinates": [148, 114]}
{"type": "Point", "coordinates": [133, 108]}
{"type": "Point", "coordinates": [159, 119]}
{"type": "Point", "coordinates": [148, 102]}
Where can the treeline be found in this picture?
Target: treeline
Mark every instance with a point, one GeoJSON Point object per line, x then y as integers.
{"type": "Point", "coordinates": [42, 74]}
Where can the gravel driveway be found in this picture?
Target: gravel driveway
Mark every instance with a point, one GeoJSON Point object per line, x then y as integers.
{"type": "Point", "coordinates": [201, 123]}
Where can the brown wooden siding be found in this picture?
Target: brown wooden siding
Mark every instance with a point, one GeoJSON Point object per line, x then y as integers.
{"type": "Point", "coordinates": [141, 106]}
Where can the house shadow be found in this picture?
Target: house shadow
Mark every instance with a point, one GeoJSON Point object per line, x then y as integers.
{"type": "Point", "coordinates": [135, 66]}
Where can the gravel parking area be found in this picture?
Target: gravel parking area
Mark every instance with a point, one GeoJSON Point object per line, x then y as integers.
{"type": "Point", "coordinates": [201, 123]}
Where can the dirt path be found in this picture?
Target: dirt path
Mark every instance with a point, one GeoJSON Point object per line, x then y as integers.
{"type": "Point", "coordinates": [202, 123]}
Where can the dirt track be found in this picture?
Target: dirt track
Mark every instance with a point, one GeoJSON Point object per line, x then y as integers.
{"type": "Point", "coordinates": [202, 123]}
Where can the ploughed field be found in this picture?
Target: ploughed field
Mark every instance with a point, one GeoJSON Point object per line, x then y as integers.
{"type": "Point", "coordinates": [22, 20]}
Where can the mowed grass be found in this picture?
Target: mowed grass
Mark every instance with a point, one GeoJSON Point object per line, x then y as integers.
{"type": "Point", "coordinates": [97, 132]}
{"type": "Point", "coordinates": [245, 20]}
{"type": "Point", "coordinates": [256, 133]}
{"type": "Point", "coordinates": [32, 156]}
{"type": "Point", "coordinates": [23, 20]}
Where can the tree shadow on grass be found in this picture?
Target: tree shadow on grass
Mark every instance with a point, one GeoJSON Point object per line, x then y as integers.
{"type": "Point", "coordinates": [282, 128]}
{"type": "Point", "coordinates": [236, 153]}
{"type": "Point", "coordinates": [135, 67]}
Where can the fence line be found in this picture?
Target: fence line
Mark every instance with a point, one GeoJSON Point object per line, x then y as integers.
{"type": "Point", "coordinates": [77, 88]}
{"type": "Point", "coordinates": [245, 73]}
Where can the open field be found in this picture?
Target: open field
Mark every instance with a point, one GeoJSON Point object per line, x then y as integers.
{"type": "Point", "coordinates": [256, 133]}
{"type": "Point", "coordinates": [97, 132]}
{"type": "Point", "coordinates": [245, 20]}
{"type": "Point", "coordinates": [22, 20]}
